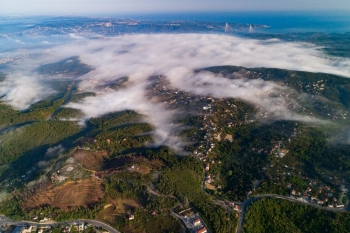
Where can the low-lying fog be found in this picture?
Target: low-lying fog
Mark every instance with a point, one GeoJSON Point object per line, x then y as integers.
{"type": "Point", "coordinates": [175, 56]}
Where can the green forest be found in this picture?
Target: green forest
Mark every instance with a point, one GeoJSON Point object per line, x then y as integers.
{"type": "Point", "coordinates": [272, 215]}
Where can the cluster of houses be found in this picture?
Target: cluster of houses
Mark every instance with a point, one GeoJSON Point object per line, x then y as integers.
{"type": "Point", "coordinates": [193, 221]}
{"type": "Point", "coordinates": [27, 228]}
{"type": "Point", "coordinates": [328, 196]}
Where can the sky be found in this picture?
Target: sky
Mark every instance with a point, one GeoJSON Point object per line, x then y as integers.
{"type": "Point", "coordinates": [86, 7]}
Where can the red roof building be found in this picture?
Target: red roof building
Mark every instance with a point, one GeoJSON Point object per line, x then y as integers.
{"type": "Point", "coordinates": [202, 230]}
{"type": "Point", "coordinates": [196, 221]}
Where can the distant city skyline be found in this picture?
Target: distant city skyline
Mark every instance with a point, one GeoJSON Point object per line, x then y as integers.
{"type": "Point", "coordinates": [113, 7]}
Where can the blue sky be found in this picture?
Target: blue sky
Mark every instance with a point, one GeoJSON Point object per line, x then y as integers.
{"type": "Point", "coordinates": [86, 7]}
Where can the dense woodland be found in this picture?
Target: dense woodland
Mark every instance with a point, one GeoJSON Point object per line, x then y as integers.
{"type": "Point", "coordinates": [276, 215]}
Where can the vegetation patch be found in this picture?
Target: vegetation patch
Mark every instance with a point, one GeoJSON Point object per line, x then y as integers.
{"type": "Point", "coordinates": [277, 215]}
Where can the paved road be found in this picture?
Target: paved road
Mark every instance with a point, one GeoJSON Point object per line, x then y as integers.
{"type": "Point", "coordinates": [254, 198]}
{"type": "Point", "coordinates": [70, 222]}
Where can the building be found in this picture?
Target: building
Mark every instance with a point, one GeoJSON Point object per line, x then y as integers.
{"type": "Point", "coordinates": [202, 230]}
{"type": "Point", "coordinates": [196, 221]}
{"type": "Point", "coordinates": [320, 202]}
{"type": "Point", "coordinates": [131, 217]}
{"type": "Point", "coordinates": [282, 153]}
{"type": "Point", "coordinates": [228, 137]}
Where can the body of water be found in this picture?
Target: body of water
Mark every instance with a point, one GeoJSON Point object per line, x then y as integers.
{"type": "Point", "coordinates": [277, 22]}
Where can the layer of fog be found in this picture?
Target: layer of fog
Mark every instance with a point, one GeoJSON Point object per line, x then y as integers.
{"type": "Point", "coordinates": [21, 91]}
{"type": "Point", "coordinates": [176, 57]}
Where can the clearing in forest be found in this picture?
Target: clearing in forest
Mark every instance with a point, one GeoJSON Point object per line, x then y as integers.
{"type": "Point", "coordinates": [90, 160]}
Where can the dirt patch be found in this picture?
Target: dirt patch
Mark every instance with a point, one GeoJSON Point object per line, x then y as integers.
{"type": "Point", "coordinates": [69, 169]}
{"type": "Point", "coordinates": [90, 160]}
{"type": "Point", "coordinates": [187, 212]}
{"type": "Point", "coordinates": [82, 193]}
{"type": "Point", "coordinates": [120, 162]}
{"type": "Point", "coordinates": [117, 207]}
{"type": "Point", "coordinates": [209, 186]}
{"type": "Point", "coordinates": [107, 206]}
{"type": "Point", "coordinates": [143, 169]}
{"type": "Point", "coordinates": [107, 214]}
{"type": "Point", "coordinates": [123, 205]}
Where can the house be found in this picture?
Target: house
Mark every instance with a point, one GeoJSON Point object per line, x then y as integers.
{"type": "Point", "coordinates": [131, 217]}
{"type": "Point", "coordinates": [207, 167]}
{"type": "Point", "coordinates": [228, 137]}
{"type": "Point", "coordinates": [28, 229]}
{"type": "Point", "coordinates": [66, 229]}
{"type": "Point", "coordinates": [196, 221]}
{"type": "Point", "coordinates": [81, 227]}
{"type": "Point", "coordinates": [282, 153]}
{"type": "Point", "coordinates": [320, 202]}
{"type": "Point", "coordinates": [236, 208]}
{"type": "Point", "coordinates": [202, 230]}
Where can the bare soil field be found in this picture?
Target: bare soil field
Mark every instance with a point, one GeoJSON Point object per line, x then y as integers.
{"type": "Point", "coordinates": [90, 160]}
{"type": "Point", "coordinates": [82, 193]}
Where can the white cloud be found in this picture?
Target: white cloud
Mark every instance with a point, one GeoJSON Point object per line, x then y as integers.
{"type": "Point", "coordinates": [54, 151]}
{"type": "Point", "coordinates": [177, 56]}
{"type": "Point", "coordinates": [22, 91]}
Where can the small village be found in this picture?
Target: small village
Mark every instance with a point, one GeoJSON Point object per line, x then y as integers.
{"type": "Point", "coordinates": [227, 115]}
{"type": "Point", "coordinates": [46, 226]}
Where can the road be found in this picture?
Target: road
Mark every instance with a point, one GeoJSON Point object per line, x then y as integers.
{"type": "Point", "coordinates": [254, 198]}
{"type": "Point", "coordinates": [153, 192]}
{"type": "Point", "coordinates": [70, 222]}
